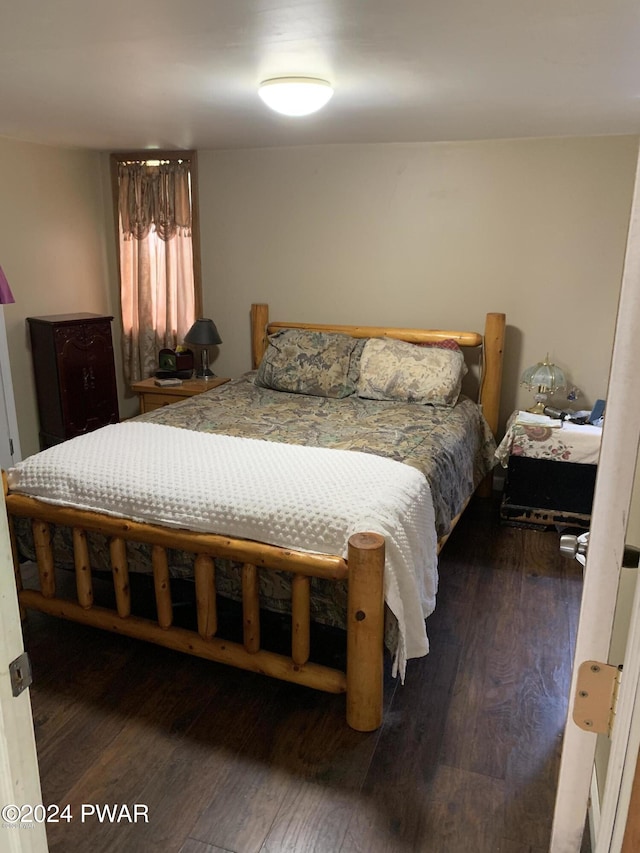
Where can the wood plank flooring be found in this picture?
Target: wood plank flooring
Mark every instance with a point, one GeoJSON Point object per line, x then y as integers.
{"type": "Point", "coordinates": [466, 759]}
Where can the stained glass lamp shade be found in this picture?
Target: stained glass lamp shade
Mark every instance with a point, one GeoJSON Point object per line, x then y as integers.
{"type": "Point", "coordinates": [544, 378]}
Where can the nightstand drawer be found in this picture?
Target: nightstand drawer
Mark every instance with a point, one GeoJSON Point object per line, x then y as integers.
{"type": "Point", "coordinates": [157, 401]}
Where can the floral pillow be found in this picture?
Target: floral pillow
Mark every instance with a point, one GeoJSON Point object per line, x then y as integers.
{"type": "Point", "coordinates": [397, 370]}
{"type": "Point", "coordinates": [303, 361]}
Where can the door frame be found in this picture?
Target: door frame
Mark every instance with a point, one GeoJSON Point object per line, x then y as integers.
{"type": "Point", "coordinates": [6, 390]}
{"type": "Point", "coordinates": [19, 776]}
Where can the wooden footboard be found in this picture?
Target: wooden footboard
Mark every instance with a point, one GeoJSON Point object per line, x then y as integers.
{"type": "Point", "coordinates": [363, 571]}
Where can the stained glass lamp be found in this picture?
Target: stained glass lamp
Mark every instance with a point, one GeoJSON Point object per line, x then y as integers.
{"type": "Point", "coordinates": [544, 378]}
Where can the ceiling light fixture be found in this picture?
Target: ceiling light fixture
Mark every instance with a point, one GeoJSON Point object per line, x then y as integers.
{"type": "Point", "coordinates": [295, 96]}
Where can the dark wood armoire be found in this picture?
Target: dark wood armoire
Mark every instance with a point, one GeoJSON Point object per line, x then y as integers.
{"type": "Point", "coordinates": [75, 374]}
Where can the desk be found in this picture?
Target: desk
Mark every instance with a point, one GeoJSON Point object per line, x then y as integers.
{"type": "Point", "coordinates": [551, 473]}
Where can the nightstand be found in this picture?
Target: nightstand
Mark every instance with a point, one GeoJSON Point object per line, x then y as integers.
{"type": "Point", "coordinates": [551, 473]}
{"type": "Point", "coordinates": [154, 396]}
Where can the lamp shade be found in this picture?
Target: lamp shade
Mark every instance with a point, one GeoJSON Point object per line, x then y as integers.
{"type": "Point", "coordinates": [203, 333]}
{"type": "Point", "coordinates": [295, 96]}
{"type": "Point", "coordinates": [5, 291]}
{"type": "Point", "coordinates": [543, 376]}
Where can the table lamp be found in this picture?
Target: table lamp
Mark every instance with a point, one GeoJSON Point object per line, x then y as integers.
{"type": "Point", "coordinates": [545, 378]}
{"type": "Point", "coordinates": [203, 334]}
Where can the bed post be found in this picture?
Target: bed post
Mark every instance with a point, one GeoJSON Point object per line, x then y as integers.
{"type": "Point", "coordinates": [492, 373]}
{"type": "Point", "coordinates": [492, 383]}
{"type": "Point", "coordinates": [365, 631]}
{"type": "Point", "coordinates": [259, 320]}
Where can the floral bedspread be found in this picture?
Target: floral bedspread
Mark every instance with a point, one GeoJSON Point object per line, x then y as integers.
{"type": "Point", "coordinates": [452, 446]}
{"type": "Point", "coordinates": [566, 442]}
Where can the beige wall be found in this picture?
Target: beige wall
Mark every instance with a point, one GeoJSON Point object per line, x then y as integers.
{"type": "Point", "coordinates": [430, 234]}
{"type": "Point", "coordinates": [425, 235]}
{"type": "Point", "coordinates": [52, 250]}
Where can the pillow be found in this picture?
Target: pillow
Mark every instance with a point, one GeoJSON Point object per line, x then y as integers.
{"type": "Point", "coordinates": [397, 370]}
{"type": "Point", "coordinates": [302, 361]}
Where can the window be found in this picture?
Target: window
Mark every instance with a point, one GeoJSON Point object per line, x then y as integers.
{"type": "Point", "coordinates": [158, 242]}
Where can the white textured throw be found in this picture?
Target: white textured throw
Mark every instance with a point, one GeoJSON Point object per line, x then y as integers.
{"type": "Point", "coordinates": [305, 498]}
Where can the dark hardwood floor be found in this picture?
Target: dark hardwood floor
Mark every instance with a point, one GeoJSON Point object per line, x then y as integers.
{"type": "Point", "coordinates": [466, 759]}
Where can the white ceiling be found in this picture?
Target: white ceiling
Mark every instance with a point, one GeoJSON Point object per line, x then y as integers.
{"type": "Point", "coordinates": [159, 73]}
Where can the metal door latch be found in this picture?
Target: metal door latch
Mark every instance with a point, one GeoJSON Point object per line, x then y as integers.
{"type": "Point", "coordinates": [20, 674]}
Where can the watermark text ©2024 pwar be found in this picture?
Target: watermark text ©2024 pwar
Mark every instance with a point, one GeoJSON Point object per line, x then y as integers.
{"type": "Point", "coordinates": [27, 815]}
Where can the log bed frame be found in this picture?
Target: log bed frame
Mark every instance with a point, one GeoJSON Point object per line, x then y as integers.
{"type": "Point", "coordinates": [363, 569]}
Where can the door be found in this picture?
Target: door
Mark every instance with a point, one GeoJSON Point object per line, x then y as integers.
{"type": "Point", "coordinates": [84, 352]}
{"type": "Point", "coordinates": [73, 373]}
{"type": "Point", "coordinates": [612, 499]}
{"type": "Point", "coordinates": [103, 395]}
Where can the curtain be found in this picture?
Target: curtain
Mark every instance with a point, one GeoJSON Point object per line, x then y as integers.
{"type": "Point", "coordinates": [157, 288]}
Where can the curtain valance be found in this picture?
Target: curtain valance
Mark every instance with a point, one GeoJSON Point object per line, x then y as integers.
{"type": "Point", "coordinates": [154, 197]}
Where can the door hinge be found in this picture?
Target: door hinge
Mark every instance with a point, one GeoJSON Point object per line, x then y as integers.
{"type": "Point", "coordinates": [20, 674]}
{"type": "Point", "coordinates": [596, 699]}
{"type": "Point", "coordinates": [10, 447]}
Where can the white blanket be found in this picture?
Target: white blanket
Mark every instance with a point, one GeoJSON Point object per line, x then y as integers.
{"type": "Point", "coordinates": [305, 498]}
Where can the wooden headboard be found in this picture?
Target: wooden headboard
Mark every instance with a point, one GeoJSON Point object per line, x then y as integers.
{"type": "Point", "coordinates": [491, 341]}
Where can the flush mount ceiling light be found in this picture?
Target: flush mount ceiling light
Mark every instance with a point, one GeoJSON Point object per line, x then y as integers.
{"type": "Point", "coordinates": [295, 96]}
